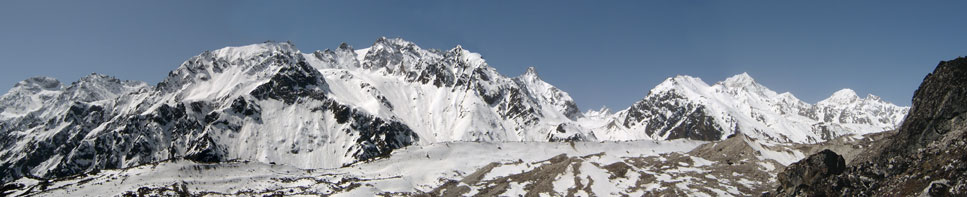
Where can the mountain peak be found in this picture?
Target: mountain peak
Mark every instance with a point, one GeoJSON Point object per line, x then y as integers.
{"type": "Point", "coordinates": [389, 47]}
{"type": "Point", "coordinates": [95, 87]}
{"type": "Point", "coordinates": [845, 95]}
{"type": "Point", "coordinates": [740, 80]}
{"type": "Point", "coordinates": [458, 51]}
{"type": "Point", "coordinates": [392, 42]}
{"type": "Point", "coordinates": [788, 96]}
{"type": "Point", "coordinates": [601, 113]}
{"type": "Point", "coordinates": [873, 97]}
{"type": "Point", "coordinates": [531, 73]}
{"type": "Point", "coordinates": [682, 80]}
{"type": "Point", "coordinates": [39, 82]}
{"type": "Point", "coordinates": [678, 82]}
{"type": "Point", "coordinates": [96, 77]}
{"type": "Point", "coordinates": [345, 46]}
{"type": "Point", "coordinates": [247, 51]}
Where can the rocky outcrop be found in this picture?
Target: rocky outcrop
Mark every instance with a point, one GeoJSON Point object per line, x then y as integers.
{"type": "Point", "coordinates": [685, 120]}
{"type": "Point", "coordinates": [800, 176]}
{"type": "Point", "coordinates": [925, 157]}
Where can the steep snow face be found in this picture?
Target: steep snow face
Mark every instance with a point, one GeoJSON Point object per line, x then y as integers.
{"type": "Point", "coordinates": [448, 95]}
{"type": "Point", "coordinates": [687, 107]}
{"type": "Point", "coordinates": [560, 101]}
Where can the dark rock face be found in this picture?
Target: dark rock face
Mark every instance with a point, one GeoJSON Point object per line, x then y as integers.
{"type": "Point", "coordinates": [291, 83]}
{"type": "Point", "coordinates": [377, 137]}
{"type": "Point", "coordinates": [925, 157]}
{"type": "Point", "coordinates": [687, 120]}
{"type": "Point", "coordinates": [798, 178]}
{"type": "Point", "coordinates": [938, 105]}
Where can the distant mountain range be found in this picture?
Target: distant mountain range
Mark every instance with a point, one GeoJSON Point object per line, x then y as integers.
{"type": "Point", "coordinates": [270, 102]}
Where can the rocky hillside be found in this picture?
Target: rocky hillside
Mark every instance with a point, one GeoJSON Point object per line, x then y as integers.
{"type": "Point", "coordinates": [925, 157]}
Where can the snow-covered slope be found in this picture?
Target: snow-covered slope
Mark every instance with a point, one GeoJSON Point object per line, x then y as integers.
{"type": "Point", "coordinates": [409, 171]}
{"type": "Point", "coordinates": [687, 107]}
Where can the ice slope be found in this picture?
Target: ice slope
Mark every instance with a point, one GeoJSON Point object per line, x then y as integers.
{"type": "Point", "coordinates": [687, 107]}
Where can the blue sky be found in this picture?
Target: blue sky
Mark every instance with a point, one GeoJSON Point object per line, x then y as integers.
{"type": "Point", "coordinates": [602, 53]}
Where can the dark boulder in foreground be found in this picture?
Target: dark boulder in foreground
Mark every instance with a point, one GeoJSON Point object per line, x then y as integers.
{"type": "Point", "coordinates": [798, 178]}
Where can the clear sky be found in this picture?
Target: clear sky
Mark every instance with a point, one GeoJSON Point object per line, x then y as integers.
{"type": "Point", "coordinates": [601, 52]}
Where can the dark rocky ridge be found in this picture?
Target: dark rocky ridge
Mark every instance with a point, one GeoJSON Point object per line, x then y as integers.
{"type": "Point", "coordinates": [925, 157]}
{"type": "Point", "coordinates": [694, 123]}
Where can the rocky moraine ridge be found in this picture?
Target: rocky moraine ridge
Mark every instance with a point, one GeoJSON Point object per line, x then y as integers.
{"type": "Point", "coordinates": [271, 103]}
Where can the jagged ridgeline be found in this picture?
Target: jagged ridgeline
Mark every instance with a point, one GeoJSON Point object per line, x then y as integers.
{"type": "Point", "coordinates": [270, 102]}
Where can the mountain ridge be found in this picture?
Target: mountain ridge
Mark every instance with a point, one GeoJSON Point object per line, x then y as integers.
{"type": "Point", "coordinates": [270, 102]}
{"type": "Point", "coordinates": [687, 107]}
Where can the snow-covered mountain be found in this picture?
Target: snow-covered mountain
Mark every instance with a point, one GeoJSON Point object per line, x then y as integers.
{"type": "Point", "coordinates": [448, 95]}
{"type": "Point", "coordinates": [272, 103]}
{"type": "Point", "coordinates": [687, 107]}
